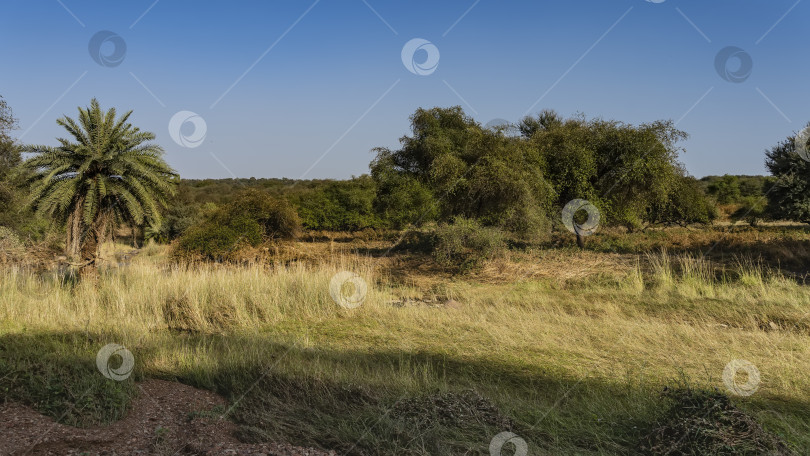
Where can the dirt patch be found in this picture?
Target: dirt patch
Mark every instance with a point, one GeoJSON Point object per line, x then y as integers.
{"type": "Point", "coordinates": [166, 418]}
{"type": "Point", "coordinates": [707, 423]}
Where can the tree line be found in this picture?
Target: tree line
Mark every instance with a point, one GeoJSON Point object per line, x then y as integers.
{"type": "Point", "coordinates": [450, 169]}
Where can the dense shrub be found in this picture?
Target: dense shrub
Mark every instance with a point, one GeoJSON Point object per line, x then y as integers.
{"type": "Point", "coordinates": [402, 200]}
{"type": "Point", "coordinates": [339, 206]}
{"type": "Point", "coordinates": [465, 244]}
{"type": "Point", "coordinates": [686, 204]}
{"type": "Point", "coordinates": [789, 196]}
{"type": "Point", "coordinates": [219, 239]}
{"type": "Point", "coordinates": [277, 217]}
{"type": "Point", "coordinates": [726, 190]}
{"type": "Point", "coordinates": [252, 217]}
{"type": "Point", "coordinates": [451, 166]}
{"type": "Point", "coordinates": [178, 219]}
{"type": "Point", "coordinates": [722, 188]}
{"type": "Point", "coordinates": [753, 210]}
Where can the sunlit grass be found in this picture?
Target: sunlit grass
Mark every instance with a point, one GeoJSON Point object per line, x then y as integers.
{"type": "Point", "coordinates": [606, 345]}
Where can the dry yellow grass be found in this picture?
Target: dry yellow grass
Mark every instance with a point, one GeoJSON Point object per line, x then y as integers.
{"type": "Point", "coordinates": [622, 322]}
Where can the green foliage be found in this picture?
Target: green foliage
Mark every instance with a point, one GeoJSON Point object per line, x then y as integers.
{"type": "Point", "coordinates": [220, 238]}
{"type": "Point", "coordinates": [464, 244]}
{"type": "Point", "coordinates": [624, 170]}
{"type": "Point", "coordinates": [452, 167]}
{"type": "Point", "coordinates": [11, 207]}
{"type": "Point", "coordinates": [753, 210]}
{"type": "Point", "coordinates": [789, 198]}
{"type": "Point", "coordinates": [277, 217]}
{"type": "Point", "coordinates": [252, 217]}
{"type": "Point", "coordinates": [321, 204]}
{"type": "Point", "coordinates": [726, 190]}
{"type": "Point", "coordinates": [178, 218]}
{"type": "Point", "coordinates": [339, 206]}
{"type": "Point", "coordinates": [110, 173]}
{"type": "Point", "coordinates": [748, 185]}
{"type": "Point", "coordinates": [687, 204]}
{"type": "Point", "coordinates": [401, 200]}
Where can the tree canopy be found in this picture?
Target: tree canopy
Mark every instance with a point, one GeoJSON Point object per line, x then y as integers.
{"type": "Point", "coordinates": [108, 172]}
{"type": "Point", "coordinates": [452, 166]}
{"type": "Point", "coordinates": [789, 198]}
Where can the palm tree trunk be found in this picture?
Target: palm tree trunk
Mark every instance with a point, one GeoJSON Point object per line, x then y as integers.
{"type": "Point", "coordinates": [74, 231]}
{"type": "Point", "coordinates": [134, 236]}
{"type": "Point", "coordinates": [91, 245]}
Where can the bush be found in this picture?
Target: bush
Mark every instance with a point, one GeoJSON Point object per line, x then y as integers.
{"type": "Point", "coordinates": [177, 220]}
{"type": "Point", "coordinates": [465, 244]}
{"type": "Point", "coordinates": [277, 217]}
{"type": "Point", "coordinates": [11, 247]}
{"type": "Point", "coordinates": [753, 210]}
{"type": "Point", "coordinates": [252, 217]}
{"type": "Point", "coordinates": [219, 239]}
{"type": "Point", "coordinates": [726, 190]}
{"type": "Point", "coordinates": [339, 206]}
{"type": "Point", "coordinates": [686, 204]}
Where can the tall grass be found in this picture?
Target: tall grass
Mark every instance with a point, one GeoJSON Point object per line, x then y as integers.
{"type": "Point", "coordinates": [604, 347]}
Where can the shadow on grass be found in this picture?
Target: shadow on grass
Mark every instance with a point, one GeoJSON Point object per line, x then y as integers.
{"type": "Point", "coordinates": [358, 402]}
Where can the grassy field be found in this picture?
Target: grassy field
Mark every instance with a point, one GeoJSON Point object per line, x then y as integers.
{"type": "Point", "coordinates": [576, 352]}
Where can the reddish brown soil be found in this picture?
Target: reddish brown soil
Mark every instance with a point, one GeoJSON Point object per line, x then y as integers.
{"type": "Point", "coordinates": [166, 418]}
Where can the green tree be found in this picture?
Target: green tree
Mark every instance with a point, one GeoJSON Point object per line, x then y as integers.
{"type": "Point", "coordinates": [9, 159]}
{"type": "Point", "coordinates": [451, 166]}
{"type": "Point", "coordinates": [686, 204]}
{"type": "Point", "coordinates": [789, 198]}
{"type": "Point", "coordinates": [726, 190]}
{"type": "Point", "coordinates": [339, 205]}
{"type": "Point", "coordinates": [107, 173]}
{"type": "Point", "coordinates": [622, 169]}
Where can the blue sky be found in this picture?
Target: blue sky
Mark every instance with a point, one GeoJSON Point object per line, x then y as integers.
{"type": "Point", "coordinates": [314, 86]}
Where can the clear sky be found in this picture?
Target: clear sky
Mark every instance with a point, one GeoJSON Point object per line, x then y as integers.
{"type": "Point", "coordinates": [305, 88]}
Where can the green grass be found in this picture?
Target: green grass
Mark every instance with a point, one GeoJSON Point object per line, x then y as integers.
{"type": "Point", "coordinates": [573, 366]}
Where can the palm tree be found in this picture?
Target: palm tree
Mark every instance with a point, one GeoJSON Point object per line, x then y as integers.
{"type": "Point", "coordinates": [108, 174]}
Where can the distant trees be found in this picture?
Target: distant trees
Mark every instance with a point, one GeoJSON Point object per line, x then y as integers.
{"type": "Point", "coordinates": [339, 205]}
{"type": "Point", "coordinates": [790, 196]}
{"type": "Point", "coordinates": [726, 190]}
{"type": "Point", "coordinates": [107, 173]}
